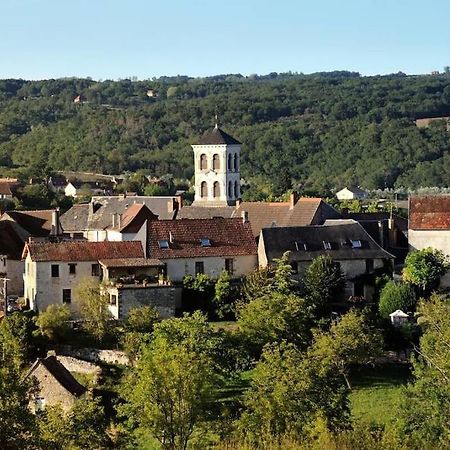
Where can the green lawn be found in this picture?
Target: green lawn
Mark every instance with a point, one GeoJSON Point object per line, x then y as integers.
{"type": "Point", "coordinates": [376, 392]}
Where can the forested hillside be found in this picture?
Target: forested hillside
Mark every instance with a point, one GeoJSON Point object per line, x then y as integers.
{"type": "Point", "coordinates": [311, 132]}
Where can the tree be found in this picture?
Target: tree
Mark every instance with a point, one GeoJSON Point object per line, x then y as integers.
{"type": "Point", "coordinates": [424, 413]}
{"type": "Point", "coordinates": [169, 390]}
{"type": "Point", "coordinates": [142, 319]}
{"type": "Point", "coordinates": [82, 427]}
{"type": "Point", "coordinates": [18, 427]}
{"type": "Point", "coordinates": [93, 307]}
{"type": "Point", "coordinates": [52, 322]}
{"type": "Point", "coordinates": [323, 282]}
{"type": "Point", "coordinates": [225, 295]}
{"type": "Point", "coordinates": [396, 296]}
{"type": "Point", "coordinates": [275, 317]}
{"type": "Point", "coordinates": [424, 268]}
{"type": "Point", "coordinates": [291, 387]}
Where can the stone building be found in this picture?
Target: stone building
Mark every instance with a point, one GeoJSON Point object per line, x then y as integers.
{"type": "Point", "coordinates": [56, 385]}
{"type": "Point", "coordinates": [216, 162]}
{"type": "Point", "coordinates": [345, 241]}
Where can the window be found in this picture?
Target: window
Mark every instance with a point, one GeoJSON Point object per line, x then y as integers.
{"type": "Point", "coordinates": [230, 189]}
{"type": "Point", "coordinates": [67, 296]}
{"type": "Point", "coordinates": [235, 162]}
{"type": "Point", "coordinates": [229, 161]}
{"type": "Point", "coordinates": [229, 265]}
{"type": "Point", "coordinates": [216, 162]}
{"type": "Point", "coordinates": [216, 189]}
{"type": "Point", "coordinates": [55, 270]}
{"type": "Point", "coordinates": [203, 162]}
{"type": "Point", "coordinates": [203, 189]}
{"type": "Point", "coordinates": [95, 270]}
{"type": "Point", "coordinates": [356, 243]}
{"type": "Point", "coordinates": [113, 299]}
{"type": "Point", "coordinates": [369, 265]}
{"type": "Point", "coordinates": [199, 267]}
{"type": "Point", "coordinates": [294, 266]}
{"type": "Point", "coordinates": [163, 244]}
{"type": "Point", "coordinates": [205, 243]}
{"type": "Point", "coordinates": [236, 189]}
{"type": "Point", "coordinates": [72, 269]}
{"type": "Point", "coordinates": [327, 245]}
{"type": "Point", "coordinates": [300, 246]}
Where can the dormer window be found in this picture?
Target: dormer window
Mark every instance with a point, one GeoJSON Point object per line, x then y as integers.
{"type": "Point", "coordinates": [356, 243]}
{"type": "Point", "coordinates": [163, 244]}
{"type": "Point", "coordinates": [327, 245]}
{"type": "Point", "coordinates": [205, 243]}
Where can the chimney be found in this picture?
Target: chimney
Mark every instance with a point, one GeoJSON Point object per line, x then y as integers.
{"type": "Point", "coordinates": [238, 202]}
{"type": "Point", "coordinates": [55, 228]}
{"type": "Point", "coordinates": [91, 207]}
{"type": "Point", "coordinates": [244, 216]}
{"type": "Point", "coordinates": [119, 221]}
{"type": "Point", "coordinates": [114, 220]}
{"type": "Point", "coordinates": [170, 237]}
{"type": "Point", "coordinates": [179, 201]}
{"type": "Point", "coordinates": [293, 199]}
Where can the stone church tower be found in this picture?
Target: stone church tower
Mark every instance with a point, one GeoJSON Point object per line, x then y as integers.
{"type": "Point", "coordinates": [216, 160]}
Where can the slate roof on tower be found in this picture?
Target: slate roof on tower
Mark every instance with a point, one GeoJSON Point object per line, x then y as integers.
{"type": "Point", "coordinates": [217, 136]}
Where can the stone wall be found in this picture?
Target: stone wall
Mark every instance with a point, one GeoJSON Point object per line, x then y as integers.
{"type": "Point", "coordinates": [95, 355]}
{"type": "Point", "coordinates": [165, 299]}
{"type": "Point", "coordinates": [78, 365]}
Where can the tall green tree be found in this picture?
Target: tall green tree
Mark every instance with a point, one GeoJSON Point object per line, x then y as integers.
{"type": "Point", "coordinates": [324, 282]}
{"type": "Point", "coordinates": [169, 391]}
{"type": "Point", "coordinates": [396, 296]}
{"type": "Point", "coordinates": [424, 268]}
{"type": "Point", "coordinates": [93, 305]}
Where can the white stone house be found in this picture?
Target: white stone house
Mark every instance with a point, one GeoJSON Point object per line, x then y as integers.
{"type": "Point", "coordinates": [351, 193]}
{"type": "Point", "coordinates": [345, 241]}
{"type": "Point", "coordinates": [193, 246]}
{"type": "Point", "coordinates": [54, 269]}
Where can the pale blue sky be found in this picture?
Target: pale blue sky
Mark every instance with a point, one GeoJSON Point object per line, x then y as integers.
{"type": "Point", "coordinates": [146, 38]}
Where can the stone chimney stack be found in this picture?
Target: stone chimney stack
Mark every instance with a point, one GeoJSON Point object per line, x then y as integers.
{"type": "Point", "coordinates": [244, 216]}
{"type": "Point", "coordinates": [55, 229]}
{"type": "Point", "coordinates": [293, 199]}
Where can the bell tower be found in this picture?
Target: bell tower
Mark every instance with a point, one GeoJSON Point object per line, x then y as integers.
{"type": "Point", "coordinates": [217, 165]}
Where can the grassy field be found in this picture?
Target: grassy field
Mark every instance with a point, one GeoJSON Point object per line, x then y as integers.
{"type": "Point", "coordinates": [376, 391]}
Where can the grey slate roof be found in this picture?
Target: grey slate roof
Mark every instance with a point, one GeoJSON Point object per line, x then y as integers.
{"type": "Point", "coordinates": [97, 215]}
{"type": "Point", "coordinates": [339, 235]}
{"type": "Point", "coordinates": [217, 136]}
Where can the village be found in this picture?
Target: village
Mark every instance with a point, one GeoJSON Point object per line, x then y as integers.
{"type": "Point", "coordinates": [140, 249]}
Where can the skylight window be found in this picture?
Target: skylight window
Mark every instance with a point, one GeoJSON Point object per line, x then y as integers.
{"type": "Point", "coordinates": [205, 242]}
{"type": "Point", "coordinates": [327, 245]}
{"type": "Point", "coordinates": [356, 243]}
{"type": "Point", "coordinates": [163, 244]}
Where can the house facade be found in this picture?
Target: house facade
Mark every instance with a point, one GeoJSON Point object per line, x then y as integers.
{"type": "Point", "coordinates": [351, 193]}
{"type": "Point", "coordinates": [345, 241]}
{"type": "Point", "coordinates": [209, 246]}
{"type": "Point", "coordinates": [429, 225]}
{"type": "Point", "coordinates": [54, 269]}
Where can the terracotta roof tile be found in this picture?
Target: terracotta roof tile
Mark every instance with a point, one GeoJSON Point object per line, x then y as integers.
{"type": "Point", "coordinates": [83, 250]}
{"type": "Point", "coordinates": [429, 213]}
{"type": "Point", "coordinates": [134, 217]}
{"type": "Point", "coordinates": [228, 237]}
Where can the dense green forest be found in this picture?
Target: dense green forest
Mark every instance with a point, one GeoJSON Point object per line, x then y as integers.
{"type": "Point", "coordinates": [320, 131]}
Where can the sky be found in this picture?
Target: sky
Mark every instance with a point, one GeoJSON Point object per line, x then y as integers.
{"type": "Point", "coordinates": [111, 39]}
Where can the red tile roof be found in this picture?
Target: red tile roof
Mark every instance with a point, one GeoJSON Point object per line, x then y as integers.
{"type": "Point", "coordinates": [228, 237]}
{"type": "Point", "coordinates": [429, 213]}
{"type": "Point", "coordinates": [134, 217]}
{"type": "Point", "coordinates": [82, 250]}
